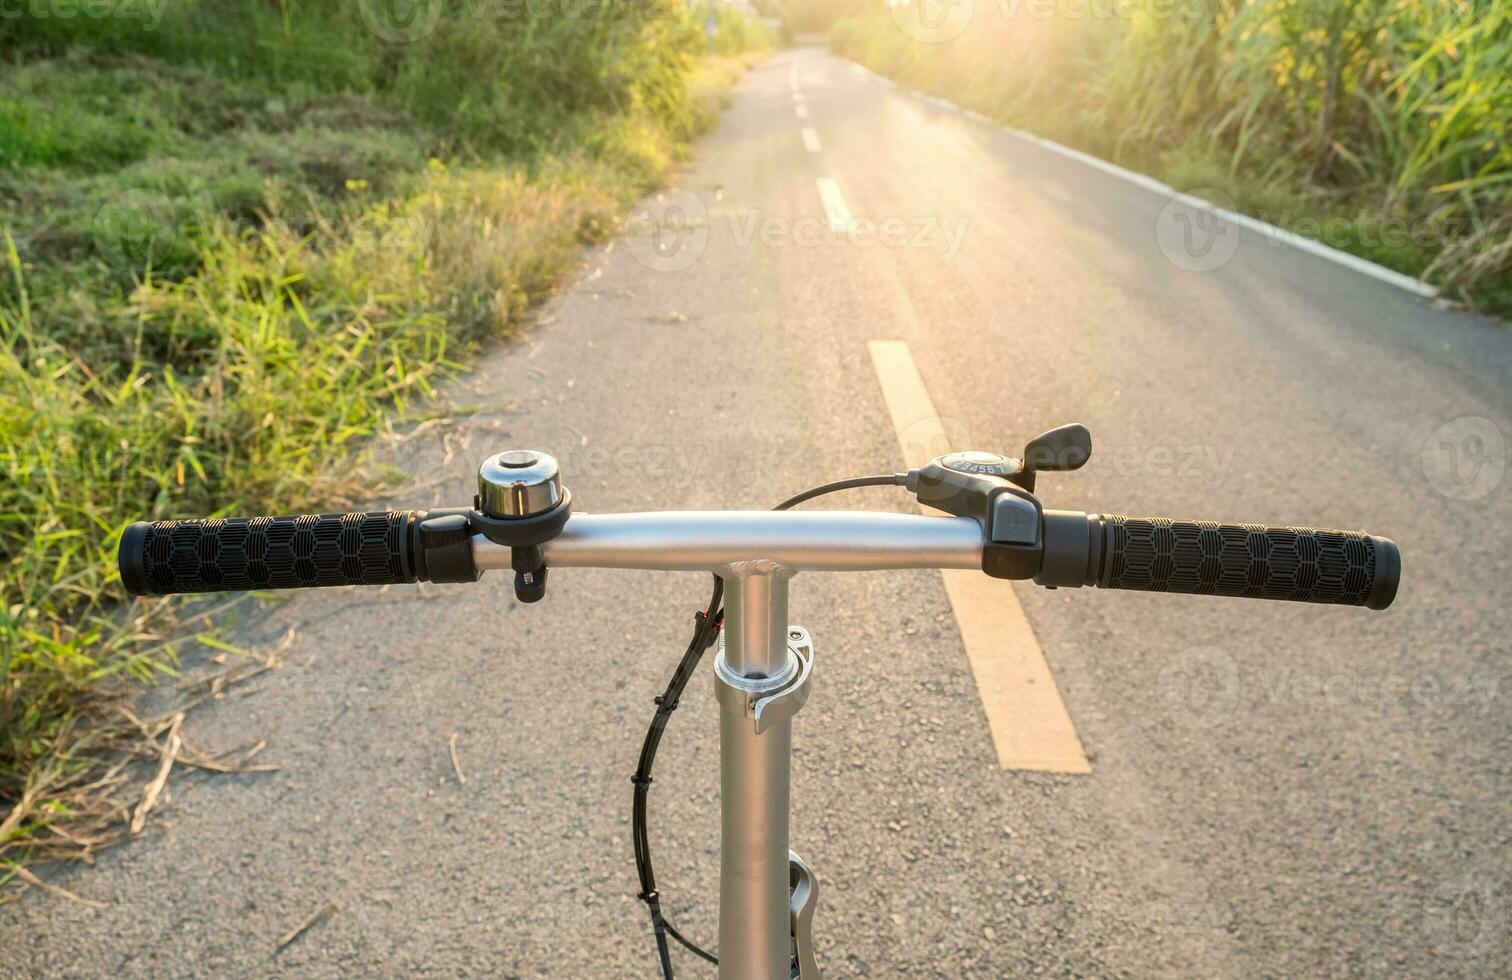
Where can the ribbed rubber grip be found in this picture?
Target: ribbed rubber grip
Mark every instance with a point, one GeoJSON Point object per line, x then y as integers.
{"type": "Point", "coordinates": [1302, 564]}
{"type": "Point", "coordinates": [241, 553]}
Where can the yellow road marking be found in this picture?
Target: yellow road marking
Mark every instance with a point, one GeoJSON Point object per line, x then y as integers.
{"type": "Point", "coordinates": [1031, 728]}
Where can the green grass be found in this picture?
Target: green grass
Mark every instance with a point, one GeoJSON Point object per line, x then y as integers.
{"type": "Point", "coordinates": [234, 247]}
{"type": "Point", "coordinates": [1379, 127]}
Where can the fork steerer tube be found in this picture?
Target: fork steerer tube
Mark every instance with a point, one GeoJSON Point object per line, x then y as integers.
{"type": "Point", "coordinates": [754, 925]}
{"type": "Point", "coordinates": [754, 940]}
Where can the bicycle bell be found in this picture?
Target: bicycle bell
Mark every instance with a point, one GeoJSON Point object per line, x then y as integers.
{"type": "Point", "coordinates": [521, 503]}
{"type": "Point", "coordinates": [518, 483]}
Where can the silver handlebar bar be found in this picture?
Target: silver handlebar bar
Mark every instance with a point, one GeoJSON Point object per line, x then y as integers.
{"type": "Point", "coordinates": [712, 541]}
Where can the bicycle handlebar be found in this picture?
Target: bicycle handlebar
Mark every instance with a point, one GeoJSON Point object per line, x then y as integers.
{"type": "Point", "coordinates": [1108, 551]}
{"type": "Point", "coordinates": [1157, 554]}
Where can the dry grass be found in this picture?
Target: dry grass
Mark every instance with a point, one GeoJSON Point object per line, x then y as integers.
{"type": "Point", "coordinates": [106, 790]}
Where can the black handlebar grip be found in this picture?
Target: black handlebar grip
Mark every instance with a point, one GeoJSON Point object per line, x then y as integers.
{"type": "Point", "coordinates": [240, 553]}
{"type": "Point", "coordinates": [1302, 564]}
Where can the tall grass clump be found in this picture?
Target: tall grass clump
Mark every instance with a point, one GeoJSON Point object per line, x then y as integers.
{"type": "Point", "coordinates": [1389, 117]}
{"type": "Point", "coordinates": [232, 248]}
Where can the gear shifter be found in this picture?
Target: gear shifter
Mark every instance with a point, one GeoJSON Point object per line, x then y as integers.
{"type": "Point", "coordinates": [997, 491]}
{"type": "Point", "coordinates": [1065, 447]}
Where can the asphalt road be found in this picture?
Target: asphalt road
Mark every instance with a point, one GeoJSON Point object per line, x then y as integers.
{"type": "Point", "coordinates": [1277, 790]}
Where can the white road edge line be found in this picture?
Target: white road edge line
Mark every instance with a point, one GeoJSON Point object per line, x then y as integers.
{"type": "Point", "coordinates": [1264, 228]}
{"type": "Point", "coordinates": [839, 216]}
{"type": "Point", "coordinates": [810, 139]}
{"type": "Point", "coordinates": [1029, 724]}
{"type": "Point", "coordinates": [801, 110]}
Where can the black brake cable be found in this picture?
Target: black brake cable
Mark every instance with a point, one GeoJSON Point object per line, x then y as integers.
{"type": "Point", "coordinates": [707, 623]}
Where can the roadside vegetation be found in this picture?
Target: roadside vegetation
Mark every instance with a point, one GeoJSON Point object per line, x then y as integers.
{"type": "Point", "coordinates": [235, 243]}
{"type": "Point", "coordinates": [1378, 126]}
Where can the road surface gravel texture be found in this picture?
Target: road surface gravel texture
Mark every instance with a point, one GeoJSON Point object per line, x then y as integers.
{"type": "Point", "coordinates": [1278, 790]}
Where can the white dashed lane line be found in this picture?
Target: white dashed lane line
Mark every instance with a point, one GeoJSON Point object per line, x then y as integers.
{"type": "Point", "coordinates": [839, 216]}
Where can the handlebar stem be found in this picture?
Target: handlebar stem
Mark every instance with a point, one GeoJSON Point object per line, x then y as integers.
{"type": "Point", "coordinates": [756, 617]}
